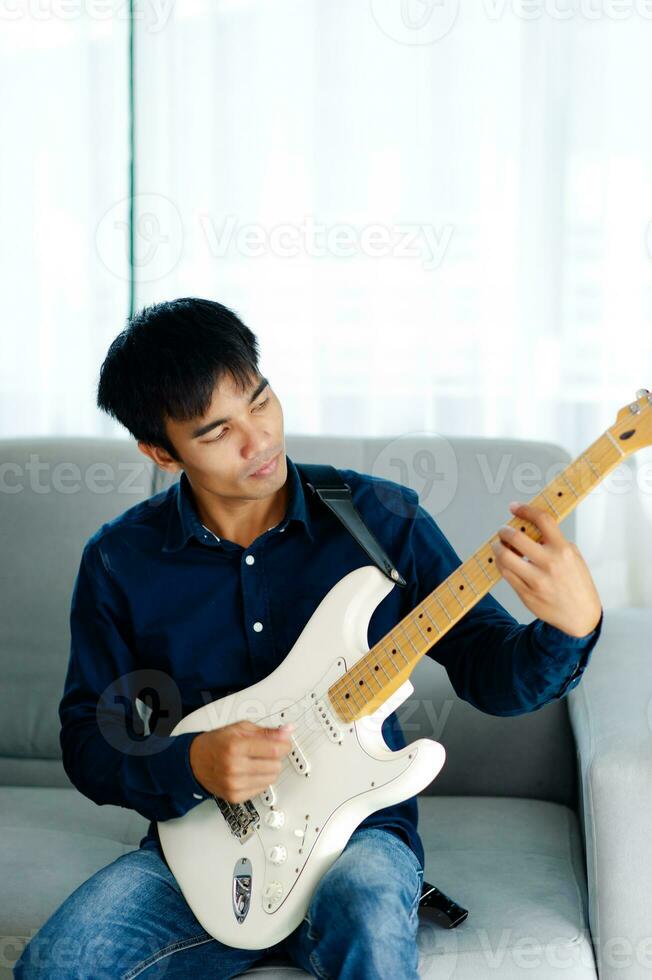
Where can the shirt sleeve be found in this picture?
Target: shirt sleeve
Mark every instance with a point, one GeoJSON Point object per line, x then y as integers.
{"type": "Point", "coordinates": [104, 755]}
{"type": "Point", "coordinates": [497, 664]}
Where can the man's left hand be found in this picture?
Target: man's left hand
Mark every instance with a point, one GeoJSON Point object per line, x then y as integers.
{"type": "Point", "coordinates": [550, 576]}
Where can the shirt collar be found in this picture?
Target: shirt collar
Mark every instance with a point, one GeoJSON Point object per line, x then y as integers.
{"type": "Point", "coordinates": [184, 520]}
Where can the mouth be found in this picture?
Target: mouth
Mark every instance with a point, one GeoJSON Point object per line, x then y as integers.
{"type": "Point", "coordinates": [267, 468]}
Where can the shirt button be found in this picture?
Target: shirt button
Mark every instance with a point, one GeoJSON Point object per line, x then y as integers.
{"type": "Point", "coordinates": [258, 627]}
{"type": "Point", "coordinates": [197, 796]}
{"type": "Point", "coordinates": [281, 530]}
{"type": "Point", "coordinates": [250, 559]}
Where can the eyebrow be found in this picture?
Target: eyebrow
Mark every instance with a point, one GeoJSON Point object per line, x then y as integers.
{"type": "Point", "coordinates": [203, 429]}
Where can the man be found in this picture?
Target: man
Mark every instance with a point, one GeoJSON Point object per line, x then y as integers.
{"type": "Point", "coordinates": [210, 583]}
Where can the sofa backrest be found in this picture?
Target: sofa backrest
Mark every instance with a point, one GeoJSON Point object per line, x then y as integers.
{"type": "Point", "coordinates": [56, 492]}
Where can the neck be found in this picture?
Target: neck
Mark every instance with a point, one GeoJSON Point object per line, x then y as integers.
{"type": "Point", "coordinates": [389, 663]}
{"type": "Point", "coordinates": [242, 521]}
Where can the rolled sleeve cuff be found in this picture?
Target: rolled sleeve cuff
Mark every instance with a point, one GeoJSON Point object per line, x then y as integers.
{"type": "Point", "coordinates": [553, 639]}
{"type": "Point", "coordinates": [198, 791]}
{"type": "Point", "coordinates": [572, 651]}
{"type": "Point", "coordinates": [170, 775]}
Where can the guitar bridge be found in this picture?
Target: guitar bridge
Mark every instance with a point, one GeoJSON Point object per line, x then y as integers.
{"type": "Point", "coordinates": [243, 818]}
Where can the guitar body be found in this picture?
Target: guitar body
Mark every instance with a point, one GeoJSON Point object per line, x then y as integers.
{"type": "Point", "coordinates": [248, 871]}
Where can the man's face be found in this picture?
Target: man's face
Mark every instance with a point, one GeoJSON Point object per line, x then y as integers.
{"type": "Point", "coordinates": [221, 458]}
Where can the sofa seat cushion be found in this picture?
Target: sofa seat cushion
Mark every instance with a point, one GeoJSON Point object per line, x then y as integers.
{"type": "Point", "coordinates": [516, 864]}
{"type": "Point", "coordinates": [53, 839]}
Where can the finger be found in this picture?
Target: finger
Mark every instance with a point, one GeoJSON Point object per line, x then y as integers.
{"type": "Point", "coordinates": [519, 586]}
{"type": "Point", "coordinates": [514, 537]}
{"type": "Point", "coordinates": [250, 728]}
{"type": "Point", "coordinates": [525, 571]}
{"type": "Point", "coordinates": [262, 748]}
{"type": "Point", "coordinates": [260, 769]}
{"type": "Point", "coordinates": [541, 520]}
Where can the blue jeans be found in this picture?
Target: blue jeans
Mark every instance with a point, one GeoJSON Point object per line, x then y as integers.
{"type": "Point", "coordinates": [130, 919]}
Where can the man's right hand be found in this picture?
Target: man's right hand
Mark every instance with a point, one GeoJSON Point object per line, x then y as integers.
{"type": "Point", "coordinates": [239, 761]}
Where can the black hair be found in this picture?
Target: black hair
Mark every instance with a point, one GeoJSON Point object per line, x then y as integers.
{"type": "Point", "coordinates": [168, 361]}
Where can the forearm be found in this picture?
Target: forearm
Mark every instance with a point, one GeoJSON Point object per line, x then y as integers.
{"type": "Point", "coordinates": [503, 667]}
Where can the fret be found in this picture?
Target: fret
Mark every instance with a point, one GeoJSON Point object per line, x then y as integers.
{"type": "Point", "coordinates": [619, 448]}
{"type": "Point", "coordinates": [570, 485]}
{"type": "Point", "coordinates": [352, 688]}
{"type": "Point", "coordinates": [552, 506]}
{"type": "Point", "coordinates": [433, 621]}
{"type": "Point", "coordinates": [455, 594]}
{"type": "Point", "coordinates": [470, 583]}
{"type": "Point", "coordinates": [372, 670]}
{"type": "Point", "coordinates": [398, 648]}
{"type": "Point", "coordinates": [342, 702]}
{"type": "Point", "coordinates": [382, 667]}
{"type": "Point", "coordinates": [597, 472]}
{"type": "Point", "coordinates": [389, 657]}
{"type": "Point", "coordinates": [362, 682]}
{"type": "Point", "coordinates": [481, 564]}
{"type": "Point", "coordinates": [423, 633]}
{"type": "Point", "coordinates": [442, 606]}
{"type": "Point", "coordinates": [404, 628]}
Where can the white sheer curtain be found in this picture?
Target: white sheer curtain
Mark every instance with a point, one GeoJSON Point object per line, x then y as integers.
{"type": "Point", "coordinates": [435, 216]}
{"type": "Point", "coordinates": [63, 175]}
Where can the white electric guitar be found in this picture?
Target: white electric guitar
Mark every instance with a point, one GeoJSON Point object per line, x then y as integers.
{"type": "Point", "coordinates": [248, 870]}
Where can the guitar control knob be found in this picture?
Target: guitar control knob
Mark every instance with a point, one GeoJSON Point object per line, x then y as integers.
{"type": "Point", "coordinates": [275, 818]}
{"type": "Point", "coordinates": [273, 891]}
{"type": "Point", "coordinates": [278, 854]}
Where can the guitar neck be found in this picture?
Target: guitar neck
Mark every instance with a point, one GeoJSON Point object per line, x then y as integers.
{"type": "Point", "coordinates": [389, 663]}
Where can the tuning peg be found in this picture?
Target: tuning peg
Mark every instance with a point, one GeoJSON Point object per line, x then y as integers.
{"type": "Point", "coordinates": [641, 392]}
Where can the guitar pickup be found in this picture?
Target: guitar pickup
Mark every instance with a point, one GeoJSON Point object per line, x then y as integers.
{"type": "Point", "coordinates": [330, 726]}
{"type": "Point", "coordinates": [298, 760]}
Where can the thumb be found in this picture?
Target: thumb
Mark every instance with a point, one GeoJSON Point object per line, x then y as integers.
{"type": "Point", "coordinates": [281, 730]}
{"type": "Point", "coordinates": [249, 728]}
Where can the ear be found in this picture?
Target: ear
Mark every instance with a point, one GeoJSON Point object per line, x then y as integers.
{"type": "Point", "coordinates": [159, 456]}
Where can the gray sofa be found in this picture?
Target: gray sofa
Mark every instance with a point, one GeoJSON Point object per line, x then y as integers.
{"type": "Point", "coordinates": [539, 824]}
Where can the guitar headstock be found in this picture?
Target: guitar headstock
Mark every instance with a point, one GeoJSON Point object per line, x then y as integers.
{"type": "Point", "coordinates": [633, 426]}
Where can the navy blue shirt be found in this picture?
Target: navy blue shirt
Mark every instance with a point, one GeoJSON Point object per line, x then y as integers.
{"type": "Point", "coordinates": [157, 591]}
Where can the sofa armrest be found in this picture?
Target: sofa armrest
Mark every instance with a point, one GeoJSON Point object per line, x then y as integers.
{"type": "Point", "coordinates": [611, 718]}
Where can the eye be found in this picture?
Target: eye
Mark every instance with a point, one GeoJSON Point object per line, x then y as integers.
{"type": "Point", "coordinates": [217, 438]}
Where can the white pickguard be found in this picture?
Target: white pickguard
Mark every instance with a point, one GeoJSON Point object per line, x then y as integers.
{"type": "Point", "coordinates": [336, 776]}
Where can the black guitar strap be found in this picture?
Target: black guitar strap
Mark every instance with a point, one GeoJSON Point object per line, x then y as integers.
{"type": "Point", "coordinates": [324, 480]}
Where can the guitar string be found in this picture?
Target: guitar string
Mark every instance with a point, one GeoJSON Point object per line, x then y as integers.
{"type": "Point", "coordinates": [361, 666]}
